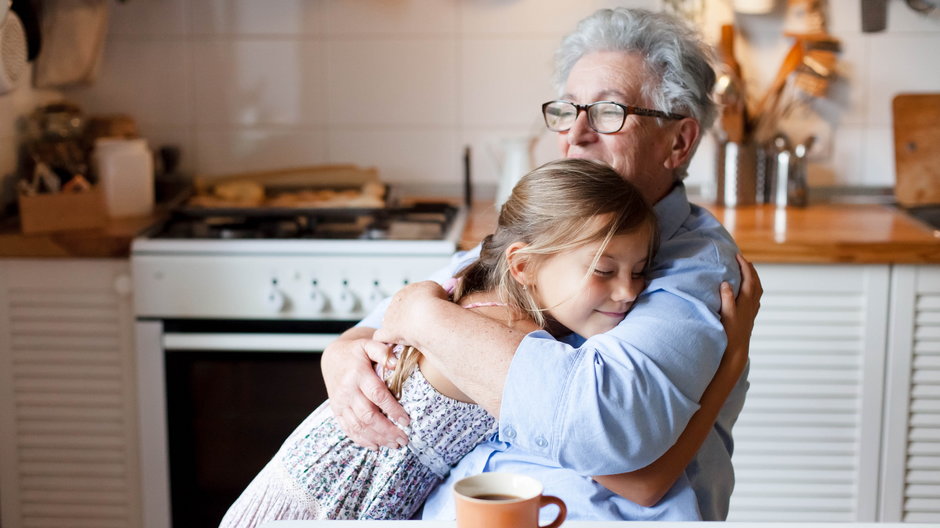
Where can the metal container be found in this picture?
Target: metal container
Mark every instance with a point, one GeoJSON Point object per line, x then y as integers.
{"type": "Point", "coordinates": [736, 174]}
{"type": "Point", "coordinates": [786, 169]}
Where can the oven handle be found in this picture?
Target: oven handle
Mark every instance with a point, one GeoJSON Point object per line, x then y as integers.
{"type": "Point", "coordinates": [234, 342]}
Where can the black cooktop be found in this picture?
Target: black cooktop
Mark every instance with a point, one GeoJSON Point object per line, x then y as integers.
{"type": "Point", "coordinates": [423, 221]}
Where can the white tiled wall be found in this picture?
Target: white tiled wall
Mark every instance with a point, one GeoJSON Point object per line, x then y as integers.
{"type": "Point", "coordinates": [405, 84]}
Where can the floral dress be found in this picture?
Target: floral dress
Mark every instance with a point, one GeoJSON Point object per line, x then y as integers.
{"type": "Point", "coordinates": [319, 473]}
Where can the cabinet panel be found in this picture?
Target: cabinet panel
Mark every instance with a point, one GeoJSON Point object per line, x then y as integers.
{"type": "Point", "coordinates": [911, 487]}
{"type": "Point", "coordinates": [806, 443]}
{"type": "Point", "coordinates": [68, 410]}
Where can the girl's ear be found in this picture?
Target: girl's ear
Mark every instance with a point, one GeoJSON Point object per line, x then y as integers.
{"type": "Point", "coordinates": [516, 262]}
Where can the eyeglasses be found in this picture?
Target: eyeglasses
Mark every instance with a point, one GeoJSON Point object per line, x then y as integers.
{"type": "Point", "coordinates": [604, 117]}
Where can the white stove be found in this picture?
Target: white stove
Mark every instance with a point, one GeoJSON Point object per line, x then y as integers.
{"type": "Point", "coordinates": [287, 278]}
{"type": "Point", "coordinates": [233, 312]}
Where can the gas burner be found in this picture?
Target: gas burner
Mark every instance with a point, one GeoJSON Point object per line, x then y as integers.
{"type": "Point", "coordinates": [423, 221]}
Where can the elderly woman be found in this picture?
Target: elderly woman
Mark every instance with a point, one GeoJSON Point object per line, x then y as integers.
{"type": "Point", "coordinates": [634, 92]}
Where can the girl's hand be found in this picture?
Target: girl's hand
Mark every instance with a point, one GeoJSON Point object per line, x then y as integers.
{"type": "Point", "coordinates": [738, 315]}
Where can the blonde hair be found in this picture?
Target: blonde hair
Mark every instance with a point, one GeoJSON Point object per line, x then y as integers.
{"type": "Point", "coordinates": [548, 211]}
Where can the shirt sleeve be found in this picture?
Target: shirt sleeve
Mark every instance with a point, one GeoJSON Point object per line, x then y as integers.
{"type": "Point", "coordinates": [619, 400]}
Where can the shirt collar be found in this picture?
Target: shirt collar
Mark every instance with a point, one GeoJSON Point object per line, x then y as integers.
{"type": "Point", "coordinates": [672, 211]}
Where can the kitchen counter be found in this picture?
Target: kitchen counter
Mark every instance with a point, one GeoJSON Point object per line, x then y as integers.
{"type": "Point", "coordinates": [818, 234]}
{"type": "Point", "coordinates": [830, 234]}
{"type": "Point", "coordinates": [824, 234]}
{"type": "Point", "coordinates": [110, 241]}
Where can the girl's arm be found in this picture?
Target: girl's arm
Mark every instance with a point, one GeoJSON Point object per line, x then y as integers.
{"type": "Point", "coordinates": [648, 485]}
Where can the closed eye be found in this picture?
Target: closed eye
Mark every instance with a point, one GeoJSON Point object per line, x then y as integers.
{"type": "Point", "coordinates": [603, 273]}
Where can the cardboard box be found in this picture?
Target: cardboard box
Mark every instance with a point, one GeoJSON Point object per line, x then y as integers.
{"type": "Point", "coordinates": [43, 213]}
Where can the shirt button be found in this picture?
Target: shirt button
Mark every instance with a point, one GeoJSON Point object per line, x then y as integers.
{"type": "Point", "coordinates": [540, 441]}
{"type": "Point", "coordinates": [509, 432]}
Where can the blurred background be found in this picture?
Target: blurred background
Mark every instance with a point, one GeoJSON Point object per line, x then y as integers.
{"type": "Point", "coordinates": [404, 85]}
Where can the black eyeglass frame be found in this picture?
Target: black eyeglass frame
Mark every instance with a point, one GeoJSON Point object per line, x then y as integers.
{"type": "Point", "coordinates": [627, 110]}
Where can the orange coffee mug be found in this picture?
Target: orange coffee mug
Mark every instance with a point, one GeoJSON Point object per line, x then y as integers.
{"type": "Point", "coordinates": [503, 500]}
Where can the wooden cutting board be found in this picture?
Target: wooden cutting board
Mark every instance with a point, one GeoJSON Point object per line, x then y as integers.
{"type": "Point", "coordinates": [917, 149]}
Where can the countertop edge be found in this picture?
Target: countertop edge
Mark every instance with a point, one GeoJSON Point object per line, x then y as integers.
{"type": "Point", "coordinates": [905, 240]}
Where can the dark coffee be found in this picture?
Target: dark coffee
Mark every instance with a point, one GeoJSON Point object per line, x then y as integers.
{"type": "Point", "coordinates": [496, 496]}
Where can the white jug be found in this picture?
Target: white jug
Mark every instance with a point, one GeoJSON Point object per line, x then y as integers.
{"type": "Point", "coordinates": [516, 159]}
{"type": "Point", "coordinates": [125, 174]}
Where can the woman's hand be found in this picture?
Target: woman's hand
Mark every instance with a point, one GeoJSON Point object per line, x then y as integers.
{"type": "Point", "coordinates": [403, 320]}
{"type": "Point", "coordinates": [738, 315]}
{"type": "Point", "coordinates": [359, 398]}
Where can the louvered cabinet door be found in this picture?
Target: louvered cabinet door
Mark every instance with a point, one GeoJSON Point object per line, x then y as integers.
{"type": "Point", "coordinates": [807, 440]}
{"type": "Point", "coordinates": [911, 483]}
{"type": "Point", "coordinates": [67, 406]}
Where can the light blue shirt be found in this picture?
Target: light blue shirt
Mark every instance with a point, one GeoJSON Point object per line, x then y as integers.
{"type": "Point", "coordinates": [617, 401]}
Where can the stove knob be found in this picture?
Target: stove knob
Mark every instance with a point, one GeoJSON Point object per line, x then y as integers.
{"type": "Point", "coordinates": [346, 302]}
{"type": "Point", "coordinates": [318, 301]}
{"type": "Point", "coordinates": [376, 295]}
{"type": "Point", "coordinates": [275, 299]}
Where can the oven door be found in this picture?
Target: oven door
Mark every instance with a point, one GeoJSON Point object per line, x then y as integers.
{"type": "Point", "coordinates": [217, 399]}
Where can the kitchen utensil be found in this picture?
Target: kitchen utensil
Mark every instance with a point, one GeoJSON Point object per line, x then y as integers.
{"type": "Point", "coordinates": [798, 185]}
{"type": "Point", "coordinates": [768, 108]}
{"type": "Point", "coordinates": [736, 174]}
{"type": "Point", "coordinates": [917, 148]}
{"type": "Point", "coordinates": [13, 47]}
{"type": "Point", "coordinates": [789, 186]}
{"type": "Point", "coordinates": [729, 90]}
{"type": "Point", "coordinates": [467, 178]}
{"type": "Point", "coordinates": [874, 15]}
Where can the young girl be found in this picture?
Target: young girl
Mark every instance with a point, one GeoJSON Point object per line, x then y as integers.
{"type": "Point", "coordinates": [569, 254]}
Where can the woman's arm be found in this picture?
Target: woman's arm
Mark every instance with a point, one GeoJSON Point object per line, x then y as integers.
{"type": "Point", "coordinates": [435, 323]}
{"type": "Point", "coordinates": [648, 485]}
{"type": "Point", "coordinates": [360, 399]}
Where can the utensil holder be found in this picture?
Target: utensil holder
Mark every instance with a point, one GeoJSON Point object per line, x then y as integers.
{"type": "Point", "coordinates": [736, 174]}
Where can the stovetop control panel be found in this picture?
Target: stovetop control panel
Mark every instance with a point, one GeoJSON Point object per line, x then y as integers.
{"type": "Point", "coordinates": [328, 287]}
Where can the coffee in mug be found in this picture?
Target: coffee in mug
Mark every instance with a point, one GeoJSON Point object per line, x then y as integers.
{"type": "Point", "coordinates": [503, 500]}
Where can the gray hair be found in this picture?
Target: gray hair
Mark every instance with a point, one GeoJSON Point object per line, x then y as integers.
{"type": "Point", "coordinates": [678, 62]}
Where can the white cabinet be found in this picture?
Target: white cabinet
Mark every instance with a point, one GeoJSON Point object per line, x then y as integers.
{"type": "Point", "coordinates": [911, 468]}
{"type": "Point", "coordinates": [807, 441]}
{"type": "Point", "coordinates": [68, 419]}
{"type": "Point", "coordinates": [842, 421]}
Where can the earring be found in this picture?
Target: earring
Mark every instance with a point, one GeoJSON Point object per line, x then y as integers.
{"type": "Point", "coordinates": [525, 288]}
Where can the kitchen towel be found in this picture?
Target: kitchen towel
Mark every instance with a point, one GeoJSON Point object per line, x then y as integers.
{"type": "Point", "coordinates": [73, 42]}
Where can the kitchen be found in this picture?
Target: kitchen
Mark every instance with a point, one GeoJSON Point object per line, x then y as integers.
{"type": "Point", "coordinates": [243, 86]}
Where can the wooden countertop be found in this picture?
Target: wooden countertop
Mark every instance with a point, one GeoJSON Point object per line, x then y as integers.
{"type": "Point", "coordinates": [818, 234]}
{"type": "Point", "coordinates": [110, 241]}
{"type": "Point", "coordinates": [824, 234]}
